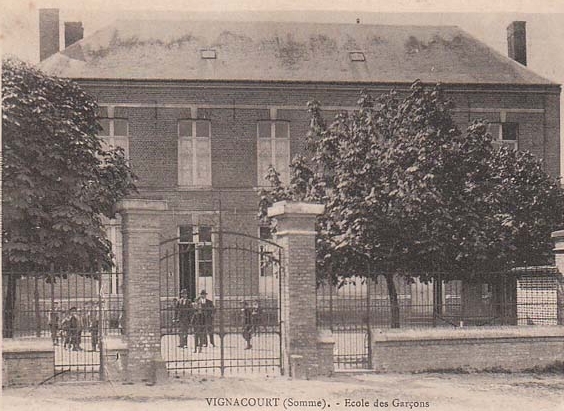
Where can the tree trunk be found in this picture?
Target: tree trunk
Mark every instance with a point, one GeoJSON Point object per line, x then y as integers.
{"type": "Point", "coordinates": [394, 303]}
{"type": "Point", "coordinates": [8, 307]}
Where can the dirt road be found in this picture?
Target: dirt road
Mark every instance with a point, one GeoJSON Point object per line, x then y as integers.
{"type": "Point", "coordinates": [452, 392]}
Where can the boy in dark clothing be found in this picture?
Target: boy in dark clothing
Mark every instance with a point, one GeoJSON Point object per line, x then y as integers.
{"type": "Point", "coordinates": [73, 329]}
{"type": "Point", "coordinates": [54, 318]}
{"type": "Point", "coordinates": [247, 312]}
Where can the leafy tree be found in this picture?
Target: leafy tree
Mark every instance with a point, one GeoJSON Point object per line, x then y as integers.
{"type": "Point", "coordinates": [406, 192]}
{"type": "Point", "coordinates": [58, 181]}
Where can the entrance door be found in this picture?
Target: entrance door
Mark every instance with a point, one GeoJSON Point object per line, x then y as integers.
{"type": "Point", "coordinates": [187, 269]}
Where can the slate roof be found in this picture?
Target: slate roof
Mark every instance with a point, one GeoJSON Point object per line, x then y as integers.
{"type": "Point", "coordinates": [282, 51]}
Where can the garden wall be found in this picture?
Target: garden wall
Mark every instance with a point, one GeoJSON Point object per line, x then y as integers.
{"type": "Point", "coordinates": [470, 349]}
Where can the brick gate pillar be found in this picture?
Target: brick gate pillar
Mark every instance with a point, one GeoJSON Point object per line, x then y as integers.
{"type": "Point", "coordinates": [141, 294]}
{"type": "Point", "coordinates": [305, 351]}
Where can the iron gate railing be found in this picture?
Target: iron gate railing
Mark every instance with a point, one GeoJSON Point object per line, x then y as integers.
{"type": "Point", "coordinates": [244, 287]}
{"type": "Point", "coordinates": [356, 306]}
{"type": "Point", "coordinates": [74, 310]}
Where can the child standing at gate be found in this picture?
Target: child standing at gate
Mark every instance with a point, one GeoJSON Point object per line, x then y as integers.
{"type": "Point", "coordinates": [247, 312]}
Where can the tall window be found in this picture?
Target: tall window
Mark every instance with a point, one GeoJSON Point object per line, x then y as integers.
{"type": "Point", "coordinates": [115, 131]}
{"type": "Point", "coordinates": [113, 231]}
{"type": "Point", "coordinates": [194, 153]}
{"type": "Point", "coordinates": [196, 258]}
{"type": "Point", "coordinates": [505, 134]}
{"type": "Point", "coordinates": [273, 148]}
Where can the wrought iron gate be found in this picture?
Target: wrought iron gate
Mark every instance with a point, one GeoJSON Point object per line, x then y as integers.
{"type": "Point", "coordinates": [240, 274]}
{"type": "Point", "coordinates": [344, 309]}
{"type": "Point", "coordinates": [75, 313]}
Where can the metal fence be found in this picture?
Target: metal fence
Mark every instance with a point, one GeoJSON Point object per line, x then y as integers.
{"type": "Point", "coordinates": [356, 306]}
{"type": "Point", "coordinates": [75, 310]}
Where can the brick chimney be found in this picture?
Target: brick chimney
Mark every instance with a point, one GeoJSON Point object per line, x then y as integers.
{"type": "Point", "coordinates": [73, 32]}
{"type": "Point", "coordinates": [48, 32]}
{"type": "Point", "coordinates": [517, 42]}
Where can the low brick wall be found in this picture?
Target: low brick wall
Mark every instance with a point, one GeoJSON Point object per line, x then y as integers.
{"type": "Point", "coordinates": [472, 349]}
{"type": "Point", "coordinates": [27, 361]}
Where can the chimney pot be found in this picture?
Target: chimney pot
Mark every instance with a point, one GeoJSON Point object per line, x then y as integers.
{"type": "Point", "coordinates": [517, 42]}
{"type": "Point", "coordinates": [48, 32]}
{"type": "Point", "coordinates": [73, 32]}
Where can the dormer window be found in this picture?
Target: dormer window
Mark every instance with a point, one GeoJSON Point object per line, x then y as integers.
{"type": "Point", "coordinates": [208, 54]}
{"type": "Point", "coordinates": [357, 56]}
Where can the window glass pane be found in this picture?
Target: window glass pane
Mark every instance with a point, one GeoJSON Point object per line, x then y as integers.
{"type": "Point", "coordinates": [205, 268]}
{"type": "Point", "coordinates": [203, 166]}
{"type": "Point", "coordinates": [185, 233]}
{"type": "Point", "coordinates": [264, 160]}
{"type": "Point", "coordinates": [103, 111]}
{"type": "Point", "coordinates": [185, 161]}
{"type": "Point", "coordinates": [283, 159]}
{"type": "Point", "coordinates": [494, 130]}
{"type": "Point", "coordinates": [202, 128]}
{"type": "Point", "coordinates": [185, 128]}
{"type": "Point", "coordinates": [205, 253]}
{"type": "Point", "coordinates": [120, 127]}
{"type": "Point", "coordinates": [265, 233]}
{"type": "Point", "coordinates": [105, 123]}
{"type": "Point", "coordinates": [509, 131]}
{"type": "Point", "coordinates": [282, 129]}
{"type": "Point", "coordinates": [205, 234]}
{"type": "Point", "coordinates": [264, 129]}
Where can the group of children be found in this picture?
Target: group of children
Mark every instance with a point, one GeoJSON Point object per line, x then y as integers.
{"type": "Point", "coordinates": [68, 326]}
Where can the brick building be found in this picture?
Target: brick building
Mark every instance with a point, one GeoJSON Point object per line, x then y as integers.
{"type": "Point", "coordinates": [203, 108]}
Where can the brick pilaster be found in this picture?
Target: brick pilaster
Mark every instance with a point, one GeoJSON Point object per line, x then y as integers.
{"type": "Point", "coordinates": [140, 228]}
{"type": "Point", "coordinates": [296, 234]}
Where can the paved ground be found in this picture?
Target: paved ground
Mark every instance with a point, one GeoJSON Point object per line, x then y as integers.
{"type": "Point", "coordinates": [438, 392]}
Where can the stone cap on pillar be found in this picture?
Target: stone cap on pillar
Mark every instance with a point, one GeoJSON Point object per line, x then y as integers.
{"type": "Point", "coordinates": [295, 217]}
{"type": "Point", "coordinates": [297, 208]}
{"type": "Point", "coordinates": [141, 205]}
{"type": "Point", "coordinates": [558, 237]}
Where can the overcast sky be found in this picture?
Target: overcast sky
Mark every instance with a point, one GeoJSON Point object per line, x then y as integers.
{"type": "Point", "coordinates": [486, 20]}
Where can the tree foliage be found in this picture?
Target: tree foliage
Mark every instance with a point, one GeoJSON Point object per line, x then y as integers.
{"type": "Point", "coordinates": [407, 192]}
{"type": "Point", "coordinates": [58, 181]}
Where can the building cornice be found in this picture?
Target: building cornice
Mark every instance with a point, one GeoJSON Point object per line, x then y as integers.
{"type": "Point", "coordinates": [318, 85]}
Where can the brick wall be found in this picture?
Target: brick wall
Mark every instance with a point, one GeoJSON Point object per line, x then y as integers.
{"type": "Point", "coordinates": [154, 108]}
{"type": "Point", "coordinates": [27, 362]}
{"type": "Point", "coordinates": [510, 349]}
{"type": "Point", "coordinates": [153, 130]}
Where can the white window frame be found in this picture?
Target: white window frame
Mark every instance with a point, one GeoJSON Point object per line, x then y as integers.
{"type": "Point", "coordinates": [194, 180]}
{"type": "Point", "coordinates": [498, 137]}
{"type": "Point", "coordinates": [204, 282]}
{"type": "Point", "coordinates": [274, 141]}
{"type": "Point", "coordinates": [113, 140]}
